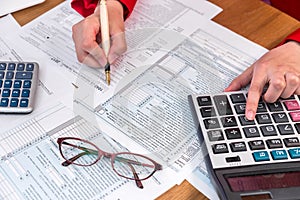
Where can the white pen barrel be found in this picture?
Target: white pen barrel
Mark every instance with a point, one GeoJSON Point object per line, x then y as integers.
{"type": "Point", "coordinates": [104, 27]}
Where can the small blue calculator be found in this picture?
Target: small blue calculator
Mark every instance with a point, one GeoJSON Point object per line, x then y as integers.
{"type": "Point", "coordinates": [18, 83]}
{"type": "Point", "coordinates": [258, 158]}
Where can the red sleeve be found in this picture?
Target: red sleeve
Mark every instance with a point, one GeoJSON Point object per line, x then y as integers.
{"type": "Point", "coordinates": [295, 36]}
{"type": "Point", "coordinates": [291, 7]}
{"type": "Point", "coordinates": [87, 7]}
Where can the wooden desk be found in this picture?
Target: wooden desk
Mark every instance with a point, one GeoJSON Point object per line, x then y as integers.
{"type": "Point", "coordinates": [250, 18]}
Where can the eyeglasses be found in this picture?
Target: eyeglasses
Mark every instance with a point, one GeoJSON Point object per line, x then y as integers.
{"type": "Point", "coordinates": [128, 165]}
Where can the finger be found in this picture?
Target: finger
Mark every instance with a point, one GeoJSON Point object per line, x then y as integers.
{"type": "Point", "coordinates": [118, 47]}
{"type": "Point", "coordinates": [292, 84]}
{"type": "Point", "coordinates": [256, 87]}
{"type": "Point", "coordinates": [85, 58]}
{"type": "Point", "coordinates": [241, 81]}
{"type": "Point", "coordinates": [276, 87]}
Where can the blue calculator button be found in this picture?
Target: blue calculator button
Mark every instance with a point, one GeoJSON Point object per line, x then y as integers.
{"type": "Point", "coordinates": [27, 84]}
{"type": "Point", "coordinates": [2, 66]}
{"type": "Point", "coordinates": [25, 93]}
{"type": "Point", "coordinates": [24, 103]}
{"type": "Point", "coordinates": [14, 102]}
{"type": "Point", "coordinates": [21, 66]}
{"type": "Point", "coordinates": [17, 84]}
{"type": "Point", "coordinates": [15, 93]}
{"type": "Point", "coordinates": [294, 153]}
{"type": "Point", "coordinates": [261, 156]}
{"type": "Point", "coordinates": [7, 83]}
{"type": "Point", "coordinates": [24, 75]}
{"type": "Point", "coordinates": [4, 102]}
{"type": "Point", "coordinates": [29, 67]}
{"type": "Point", "coordinates": [279, 154]}
{"type": "Point", "coordinates": [1, 75]}
{"type": "Point", "coordinates": [11, 66]}
{"type": "Point", "coordinates": [6, 93]}
{"type": "Point", "coordinates": [9, 75]}
{"type": "Point", "coordinates": [1, 82]}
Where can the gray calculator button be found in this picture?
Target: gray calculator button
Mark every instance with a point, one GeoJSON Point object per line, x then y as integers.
{"type": "Point", "coordinates": [285, 129]}
{"type": "Point", "coordinates": [222, 104]}
{"type": "Point", "coordinates": [245, 122]}
{"type": "Point", "coordinates": [291, 142]}
{"type": "Point", "coordinates": [233, 133]}
{"type": "Point", "coordinates": [280, 117]}
{"type": "Point", "coordinates": [256, 145]}
{"type": "Point", "coordinates": [220, 148]}
{"type": "Point", "coordinates": [274, 143]}
{"type": "Point", "coordinates": [211, 123]}
{"type": "Point", "coordinates": [238, 146]}
{"type": "Point", "coordinates": [251, 132]}
{"type": "Point", "coordinates": [263, 118]}
{"type": "Point", "coordinates": [268, 130]}
{"type": "Point", "coordinates": [215, 135]}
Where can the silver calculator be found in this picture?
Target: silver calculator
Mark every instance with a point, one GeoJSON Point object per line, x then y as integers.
{"type": "Point", "coordinates": [18, 83]}
{"type": "Point", "coordinates": [259, 158]}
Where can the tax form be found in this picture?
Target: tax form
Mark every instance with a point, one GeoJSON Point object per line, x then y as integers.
{"type": "Point", "coordinates": [146, 108]}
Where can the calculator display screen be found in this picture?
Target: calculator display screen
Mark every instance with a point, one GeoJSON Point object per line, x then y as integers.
{"type": "Point", "coordinates": [263, 182]}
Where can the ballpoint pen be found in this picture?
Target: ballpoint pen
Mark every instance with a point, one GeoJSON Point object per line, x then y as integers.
{"type": "Point", "coordinates": [105, 36]}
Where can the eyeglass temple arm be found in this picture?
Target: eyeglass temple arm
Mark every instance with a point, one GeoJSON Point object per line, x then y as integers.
{"type": "Point", "coordinates": [138, 182]}
{"type": "Point", "coordinates": [129, 161]}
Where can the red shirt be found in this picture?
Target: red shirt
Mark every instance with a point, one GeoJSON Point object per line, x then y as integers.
{"type": "Point", "coordinates": [291, 7]}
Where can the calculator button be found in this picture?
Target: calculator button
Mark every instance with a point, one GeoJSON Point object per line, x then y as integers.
{"type": "Point", "coordinates": [3, 66]}
{"type": "Point", "coordinates": [14, 102]}
{"type": "Point", "coordinates": [233, 159]}
{"type": "Point", "coordinates": [228, 121]}
{"type": "Point", "coordinates": [294, 153]}
{"type": "Point", "coordinates": [261, 108]}
{"type": "Point", "coordinates": [204, 101]}
{"type": "Point", "coordinates": [261, 156]}
{"type": "Point", "coordinates": [292, 105]}
{"type": "Point", "coordinates": [238, 146]}
{"type": "Point", "coordinates": [220, 148]}
{"type": "Point", "coordinates": [256, 145]}
{"type": "Point", "coordinates": [29, 67]}
{"type": "Point", "coordinates": [1, 82]}
{"type": "Point", "coordinates": [240, 108]}
{"type": "Point", "coordinates": [285, 129]}
{"type": "Point", "coordinates": [27, 84]}
{"type": "Point", "coordinates": [245, 122]}
{"type": "Point", "coordinates": [274, 143]}
{"type": "Point", "coordinates": [24, 103]}
{"type": "Point", "coordinates": [233, 133]}
{"type": "Point", "coordinates": [275, 107]}
{"type": "Point", "coordinates": [238, 98]}
{"type": "Point", "coordinates": [291, 142]}
{"type": "Point", "coordinates": [211, 123]}
{"type": "Point", "coordinates": [222, 104]}
{"type": "Point", "coordinates": [15, 93]}
{"type": "Point", "coordinates": [17, 84]}
{"type": "Point", "coordinates": [25, 93]}
{"type": "Point", "coordinates": [251, 132]}
{"type": "Point", "coordinates": [295, 116]}
{"type": "Point", "coordinates": [268, 130]}
{"type": "Point", "coordinates": [2, 75]}
{"type": "Point", "coordinates": [4, 102]}
{"type": "Point", "coordinates": [20, 67]}
{"type": "Point", "coordinates": [279, 154]}
{"type": "Point", "coordinates": [24, 75]}
{"type": "Point", "coordinates": [7, 83]}
{"type": "Point", "coordinates": [208, 112]}
{"type": "Point", "coordinates": [297, 126]}
{"type": "Point", "coordinates": [11, 66]}
{"type": "Point", "coordinates": [6, 93]}
{"type": "Point", "coordinates": [280, 117]}
{"type": "Point", "coordinates": [215, 135]}
{"type": "Point", "coordinates": [263, 118]}
{"type": "Point", "coordinates": [9, 75]}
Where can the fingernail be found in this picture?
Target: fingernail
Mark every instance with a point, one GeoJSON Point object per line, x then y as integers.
{"type": "Point", "coordinates": [250, 115]}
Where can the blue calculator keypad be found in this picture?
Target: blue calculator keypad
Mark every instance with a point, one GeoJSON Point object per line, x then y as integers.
{"type": "Point", "coordinates": [18, 82]}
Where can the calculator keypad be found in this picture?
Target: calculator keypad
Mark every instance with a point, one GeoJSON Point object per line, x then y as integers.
{"type": "Point", "coordinates": [273, 136]}
{"type": "Point", "coordinates": [18, 82]}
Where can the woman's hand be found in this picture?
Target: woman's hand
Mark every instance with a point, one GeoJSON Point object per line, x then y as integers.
{"type": "Point", "coordinates": [279, 69]}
